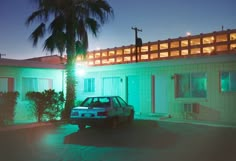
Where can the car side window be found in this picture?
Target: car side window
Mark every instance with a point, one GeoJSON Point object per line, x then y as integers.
{"type": "Point", "coordinates": [115, 103]}
{"type": "Point", "coordinates": [122, 102]}
{"type": "Point", "coordinates": [87, 102]}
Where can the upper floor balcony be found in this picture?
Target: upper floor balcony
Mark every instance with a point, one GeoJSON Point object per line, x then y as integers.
{"type": "Point", "coordinates": [220, 42]}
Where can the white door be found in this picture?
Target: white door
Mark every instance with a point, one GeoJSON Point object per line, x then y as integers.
{"type": "Point", "coordinates": [161, 94]}
{"type": "Point", "coordinates": [133, 93]}
{"type": "Point", "coordinates": [111, 86]}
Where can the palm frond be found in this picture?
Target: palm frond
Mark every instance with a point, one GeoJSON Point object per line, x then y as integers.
{"type": "Point", "coordinates": [37, 33]}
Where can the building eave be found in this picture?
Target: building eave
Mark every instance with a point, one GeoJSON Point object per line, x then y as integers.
{"type": "Point", "coordinates": [29, 64]}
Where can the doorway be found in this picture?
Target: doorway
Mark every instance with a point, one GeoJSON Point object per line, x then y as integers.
{"type": "Point", "coordinates": [133, 96]}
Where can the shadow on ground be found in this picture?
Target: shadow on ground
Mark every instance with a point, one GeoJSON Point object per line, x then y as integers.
{"type": "Point", "coordinates": [140, 134]}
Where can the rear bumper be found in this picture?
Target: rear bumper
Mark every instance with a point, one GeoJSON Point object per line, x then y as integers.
{"type": "Point", "coordinates": [89, 121]}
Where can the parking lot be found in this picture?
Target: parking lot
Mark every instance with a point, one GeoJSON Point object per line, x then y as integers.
{"type": "Point", "coordinates": [145, 140]}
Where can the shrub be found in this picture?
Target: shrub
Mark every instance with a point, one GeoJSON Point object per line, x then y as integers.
{"type": "Point", "coordinates": [47, 104]}
{"type": "Point", "coordinates": [7, 106]}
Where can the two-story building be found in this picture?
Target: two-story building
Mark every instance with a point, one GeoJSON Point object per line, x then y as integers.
{"type": "Point", "coordinates": [192, 77]}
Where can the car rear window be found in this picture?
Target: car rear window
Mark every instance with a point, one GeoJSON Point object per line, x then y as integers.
{"type": "Point", "coordinates": [97, 102]}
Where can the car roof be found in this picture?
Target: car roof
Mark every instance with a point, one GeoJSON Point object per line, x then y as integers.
{"type": "Point", "coordinates": [102, 96]}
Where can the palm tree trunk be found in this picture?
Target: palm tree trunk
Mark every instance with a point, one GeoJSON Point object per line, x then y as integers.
{"type": "Point", "coordinates": [70, 70]}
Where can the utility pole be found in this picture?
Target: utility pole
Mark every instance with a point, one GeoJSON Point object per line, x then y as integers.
{"type": "Point", "coordinates": [138, 41]}
{"type": "Point", "coordinates": [2, 55]}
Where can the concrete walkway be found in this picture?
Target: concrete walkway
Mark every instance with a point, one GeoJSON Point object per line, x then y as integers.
{"type": "Point", "coordinates": [197, 122]}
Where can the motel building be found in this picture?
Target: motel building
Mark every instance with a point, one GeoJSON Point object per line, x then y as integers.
{"type": "Point", "coordinates": [186, 78]}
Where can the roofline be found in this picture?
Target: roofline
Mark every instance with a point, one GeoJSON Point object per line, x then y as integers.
{"type": "Point", "coordinates": [29, 63]}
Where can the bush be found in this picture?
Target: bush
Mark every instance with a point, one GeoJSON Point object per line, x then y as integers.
{"type": "Point", "coordinates": [47, 104]}
{"type": "Point", "coordinates": [7, 107]}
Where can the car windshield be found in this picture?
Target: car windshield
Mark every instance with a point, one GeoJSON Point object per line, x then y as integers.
{"type": "Point", "coordinates": [96, 102]}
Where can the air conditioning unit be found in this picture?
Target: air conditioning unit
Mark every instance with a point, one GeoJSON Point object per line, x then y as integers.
{"type": "Point", "coordinates": [191, 107]}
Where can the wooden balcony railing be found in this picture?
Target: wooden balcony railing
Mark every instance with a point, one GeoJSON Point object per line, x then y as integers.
{"type": "Point", "coordinates": [220, 42]}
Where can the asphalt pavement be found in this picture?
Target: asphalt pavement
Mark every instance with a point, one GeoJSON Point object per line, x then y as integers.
{"type": "Point", "coordinates": [21, 125]}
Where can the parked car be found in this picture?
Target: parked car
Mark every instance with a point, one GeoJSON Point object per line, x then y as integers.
{"type": "Point", "coordinates": [103, 110]}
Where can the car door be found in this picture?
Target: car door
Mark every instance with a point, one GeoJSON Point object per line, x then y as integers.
{"type": "Point", "coordinates": [117, 109]}
{"type": "Point", "coordinates": [124, 106]}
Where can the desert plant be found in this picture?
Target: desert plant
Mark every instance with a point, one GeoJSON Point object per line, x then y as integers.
{"type": "Point", "coordinates": [47, 104]}
{"type": "Point", "coordinates": [7, 106]}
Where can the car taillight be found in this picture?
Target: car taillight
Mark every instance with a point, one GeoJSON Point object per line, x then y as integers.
{"type": "Point", "coordinates": [105, 113]}
{"type": "Point", "coordinates": [75, 113]}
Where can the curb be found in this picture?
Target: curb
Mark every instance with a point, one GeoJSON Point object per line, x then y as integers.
{"type": "Point", "coordinates": [25, 126]}
{"type": "Point", "coordinates": [168, 119]}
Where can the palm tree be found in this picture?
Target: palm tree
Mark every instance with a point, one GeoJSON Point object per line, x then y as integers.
{"type": "Point", "coordinates": [68, 23]}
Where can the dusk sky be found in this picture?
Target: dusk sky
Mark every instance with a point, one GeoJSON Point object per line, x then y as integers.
{"type": "Point", "coordinates": [158, 19]}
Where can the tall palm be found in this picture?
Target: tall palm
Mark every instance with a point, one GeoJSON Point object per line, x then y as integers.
{"type": "Point", "coordinates": [68, 23]}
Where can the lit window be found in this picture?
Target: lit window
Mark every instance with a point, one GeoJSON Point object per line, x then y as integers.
{"type": "Point", "coordinates": [118, 52]}
{"type": "Point", "coordinates": [208, 50]}
{"type": "Point", "coordinates": [112, 60]}
{"type": "Point", "coordinates": [119, 59]}
{"type": "Point", "coordinates": [221, 48]}
{"type": "Point", "coordinates": [184, 43]}
{"type": "Point", "coordinates": [144, 49]}
{"type": "Point", "coordinates": [233, 47]}
{"type": "Point", "coordinates": [35, 85]}
{"type": "Point", "coordinates": [174, 44]}
{"type": "Point", "coordinates": [195, 41]}
{"type": "Point", "coordinates": [90, 63]}
{"type": "Point", "coordinates": [163, 54]}
{"type": "Point", "coordinates": [105, 61]}
{"type": "Point", "coordinates": [228, 81]}
{"type": "Point", "coordinates": [233, 36]}
{"type": "Point", "coordinates": [97, 62]}
{"type": "Point", "coordinates": [154, 56]}
{"type": "Point", "coordinates": [153, 48]}
{"type": "Point", "coordinates": [174, 53]}
{"type": "Point", "coordinates": [221, 38]}
{"type": "Point", "coordinates": [127, 58]}
{"type": "Point", "coordinates": [164, 46]}
{"type": "Point", "coordinates": [195, 51]}
{"type": "Point", "coordinates": [184, 52]}
{"type": "Point", "coordinates": [90, 56]}
{"type": "Point", "coordinates": [104, 54]}
{"type": "Point", "coordinates": [144, 57]}
{"type": "Point", "coordinates": [208, 40]}
{"type": "Point", "coordinates": [97, 55]}
{"type": "Point", "coordinates": [89, 85]}
{"type": "Point", "coordinates": [111, 53]}
{"type": "Point", "coordinates": [127, 51]}
{"type": "Point", "coordinates": [192, 85]}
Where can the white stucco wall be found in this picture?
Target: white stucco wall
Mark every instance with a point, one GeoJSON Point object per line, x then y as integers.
{"type": "Point", "coordinates": [217, 106]}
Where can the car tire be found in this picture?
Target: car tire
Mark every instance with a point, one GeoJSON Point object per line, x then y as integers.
{"type": "Point", "coordinates": [81, 126]}
{"type": "Point", "coordinates": [131, 117]}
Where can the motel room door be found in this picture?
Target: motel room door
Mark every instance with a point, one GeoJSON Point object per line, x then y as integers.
{"type": "Point", "coordinates": [133, 97]}
{"type": "Point", "coordinates": [111, 86]}
{"type": "Point", "coordinates": [161, 94]}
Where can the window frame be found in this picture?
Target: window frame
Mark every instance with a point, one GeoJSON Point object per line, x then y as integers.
{"type": "Point", "coordinates": [89, 88]}
{"type": "Point", "coordinates": [190, 79]}
{"type": "Point", "coordinates": [36, 84]}
{"type": "Point", "coordinates": [10, 84]}
{"type": "Point", "coordinates": [230, 90]}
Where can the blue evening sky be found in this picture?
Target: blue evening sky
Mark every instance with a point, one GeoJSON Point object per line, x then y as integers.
{"type": "Point", "coordinates": [159, 20]}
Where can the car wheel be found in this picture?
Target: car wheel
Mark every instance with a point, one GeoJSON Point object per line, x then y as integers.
{"type": "Point", "coordinates": [81, 126]}
{"type": "Point", "coordinates": [131, 117]}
